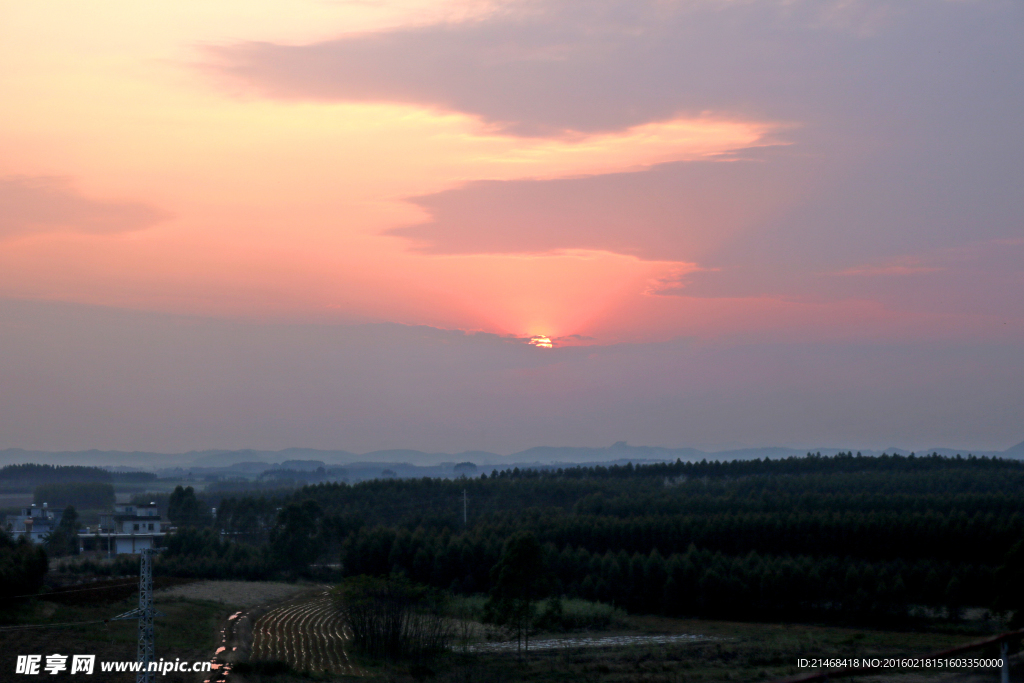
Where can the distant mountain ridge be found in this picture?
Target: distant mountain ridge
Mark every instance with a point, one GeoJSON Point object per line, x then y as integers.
{"type": "Point", "coordinates": [538, 455]}
{"type": "Point", "coordinates": [1015, 451]}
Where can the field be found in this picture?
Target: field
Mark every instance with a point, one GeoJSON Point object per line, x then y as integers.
{"type": "Point", "coordinates": [719, 651]}
{"type": "Point", "coordinates": [308, 634]}
{"type": "Point", "coordinates": [236, 593]}
{"type": "Point", "coordinates": [270, 622]}
{"type": "Point", "coordinates": [195, 614]}
{"type": "Point", "coordinates": [187, 632]}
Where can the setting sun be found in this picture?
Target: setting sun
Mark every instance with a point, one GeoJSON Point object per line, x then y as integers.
{"type": "Point", "coordinates": [541, 341]}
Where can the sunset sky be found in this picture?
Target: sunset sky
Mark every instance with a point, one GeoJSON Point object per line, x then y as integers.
{"type": "Point", "coordinates": [337, 224]}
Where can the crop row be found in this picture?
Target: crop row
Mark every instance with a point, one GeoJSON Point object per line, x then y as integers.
{"type": "Point", "coordinates": [308, 635]}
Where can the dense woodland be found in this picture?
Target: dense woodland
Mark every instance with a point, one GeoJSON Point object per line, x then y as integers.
{"type": "Point", "coordinates": [30, 475]}
{"type": "Point", "coordinates": [845, 538]}
{"type": "Point", "coordinates": [25, 477]}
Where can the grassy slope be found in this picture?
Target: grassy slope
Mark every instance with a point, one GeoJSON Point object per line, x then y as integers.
{"type": "Point", "coordinates": [188, 631]}
{"type": "Point", "coordinates": [741, 652]}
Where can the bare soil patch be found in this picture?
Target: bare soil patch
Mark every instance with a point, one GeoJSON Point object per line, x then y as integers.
{"type": "Point", "coordinates": [240, 593]}
{"type": "Point", "coordinates": [109, 590]}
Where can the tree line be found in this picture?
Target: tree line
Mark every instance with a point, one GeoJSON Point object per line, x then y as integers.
{"type": "Point", "coordinates": [844, 537]}
{"type": "Point", "coordinates": [29, 475]}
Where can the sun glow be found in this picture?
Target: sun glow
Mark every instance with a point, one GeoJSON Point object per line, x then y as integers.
{"type": "Point", "coordinates": [541, 341]}
{"type": "Point", "coordinates": [279, 207]}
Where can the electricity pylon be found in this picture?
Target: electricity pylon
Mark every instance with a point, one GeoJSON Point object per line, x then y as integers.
{"type": "Point", "coordinates": [144, 613]}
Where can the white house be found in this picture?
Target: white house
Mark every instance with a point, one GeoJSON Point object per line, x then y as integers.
{"type": "Point", "coordinates": [35, 522]}
{"type": "Point", "coordinates": [128, 529]}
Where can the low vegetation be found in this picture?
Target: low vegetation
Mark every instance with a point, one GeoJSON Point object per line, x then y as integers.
{"type": "Point", "coordinates": [729, 651]}
{"type": "Point", "coordinates": [551, 615]}
{"type": "Point", "coordinates": [392, 619]}
{"type": "Point", "coordinates": [188, 630]}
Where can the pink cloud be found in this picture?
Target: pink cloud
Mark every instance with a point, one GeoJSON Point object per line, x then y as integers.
{"type": "Point", "coordinates": [34, 205]}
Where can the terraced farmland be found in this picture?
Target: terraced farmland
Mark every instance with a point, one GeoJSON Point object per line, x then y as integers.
{"type": "Point", "coordinates": [308, 634]}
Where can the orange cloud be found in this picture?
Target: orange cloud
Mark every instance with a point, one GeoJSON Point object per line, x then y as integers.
{"type": "Point", "coordinates": [282, 207]}
{"type": "Point", "coordinates": [278, 207]}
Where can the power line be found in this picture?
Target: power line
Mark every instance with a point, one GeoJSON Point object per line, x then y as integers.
{"type": "Point", "coordinates": [59, 625]}
{"type": "Point", "coordinates": [75, 590]}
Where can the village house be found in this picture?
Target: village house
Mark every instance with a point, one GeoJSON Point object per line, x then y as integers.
{"type": "Point", "coordinates": [129, 529]}
{"type": "Point", "coordinates": [35, 523]}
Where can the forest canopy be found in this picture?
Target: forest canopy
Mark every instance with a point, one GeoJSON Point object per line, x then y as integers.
{"type": "Point", "coordinates": [816, 537]}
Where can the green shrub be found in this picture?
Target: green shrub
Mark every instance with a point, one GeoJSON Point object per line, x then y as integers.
{"type": "Point", "coordinates": [553, 614]}
{"type": "Point", "coordinates": [559, 614]}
